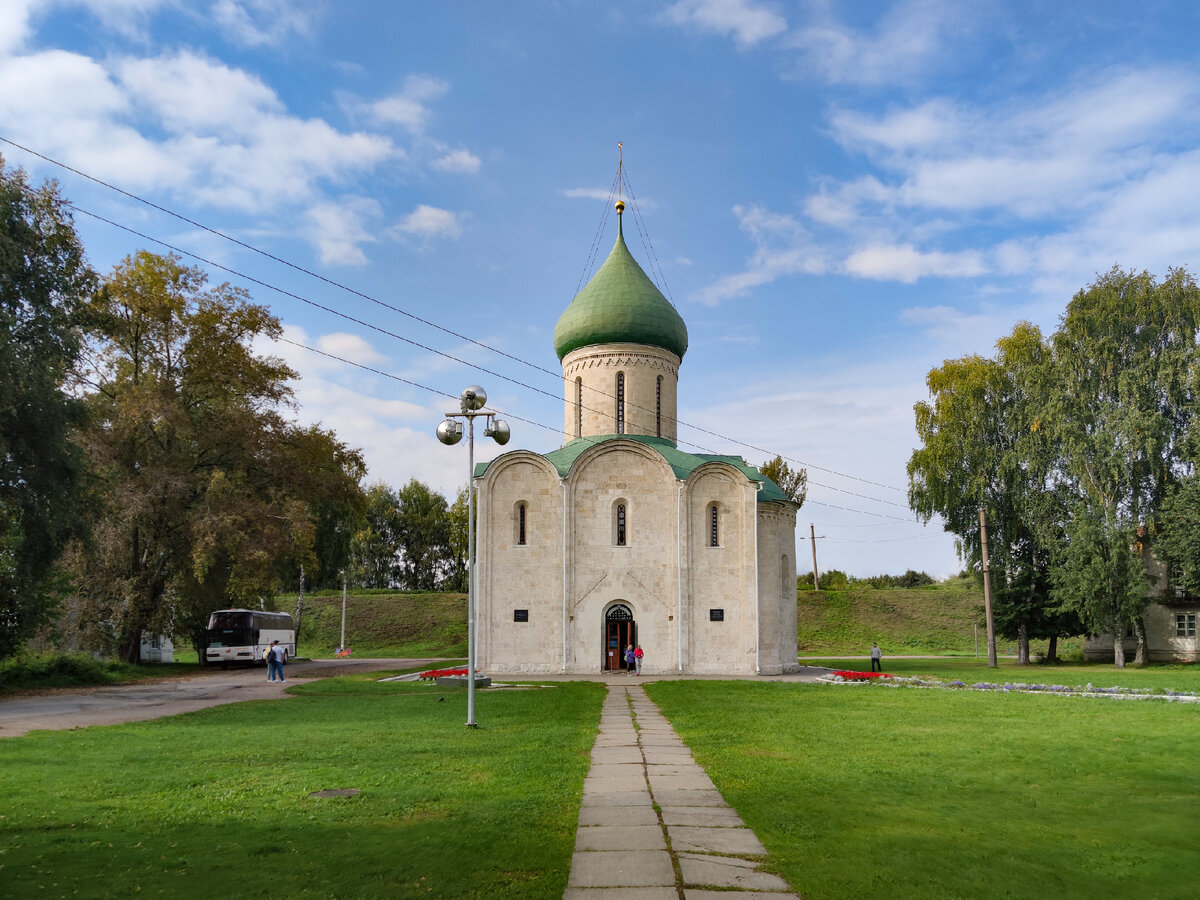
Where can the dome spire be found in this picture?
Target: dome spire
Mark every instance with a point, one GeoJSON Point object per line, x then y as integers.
{"type": "Point", "coordinates": [620, 207]}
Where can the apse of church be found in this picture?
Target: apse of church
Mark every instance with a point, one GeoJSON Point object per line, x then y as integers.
{"type": "Point", "coordinates": [620, 538]}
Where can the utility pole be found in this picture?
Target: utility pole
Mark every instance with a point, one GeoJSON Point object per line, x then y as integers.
{"type": "Point", "coordinates": [342, 645]}
{"type": "Point", "coordinates": [987, 593]}
{"type": "Point", "coordinates": [299, 609]}
{"type": "Point", "coordinates": [812, 533]}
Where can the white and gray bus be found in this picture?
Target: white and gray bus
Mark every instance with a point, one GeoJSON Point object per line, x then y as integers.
{"type": "Point", "coordinates": [243, 635]}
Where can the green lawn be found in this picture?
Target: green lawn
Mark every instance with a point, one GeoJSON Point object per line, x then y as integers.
{"type": "Point", "coordinates": [1176, 677]}
{"type": "Point", "coordinates": [216, 802]}
{"type": "Point", "coordinates": [869, 792]}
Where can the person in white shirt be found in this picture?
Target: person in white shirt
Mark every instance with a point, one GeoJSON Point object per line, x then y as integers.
{"type": "Point", "coordinates": [876, 658]}
{"type": "Point", "coordinates": [276, 657]}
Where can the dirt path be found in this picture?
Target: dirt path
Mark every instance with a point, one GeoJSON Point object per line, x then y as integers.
{"type": "Point", "coordinates": [80, 707]}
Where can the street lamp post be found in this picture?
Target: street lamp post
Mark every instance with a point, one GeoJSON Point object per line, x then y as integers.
{"type": "Point", "coordinates": [342, 645]}
{"type": "Point", "coordinates": [450, 432]}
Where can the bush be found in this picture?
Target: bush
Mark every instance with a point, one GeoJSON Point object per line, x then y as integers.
{"type": "Point", "coordinates": [32, 670]}
{"type": "Point", "coordinates": [910, 579]}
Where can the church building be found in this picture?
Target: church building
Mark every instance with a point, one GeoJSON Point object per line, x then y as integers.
{"type": "Point", "coordinates": [619, 537]}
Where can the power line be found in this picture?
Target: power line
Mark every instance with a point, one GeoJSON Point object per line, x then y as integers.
{"type": "Point", "coordinates": [333, 283]}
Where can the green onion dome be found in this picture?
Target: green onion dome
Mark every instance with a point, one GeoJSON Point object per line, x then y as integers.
{"type": "Point", "coordinates": [620, 304]}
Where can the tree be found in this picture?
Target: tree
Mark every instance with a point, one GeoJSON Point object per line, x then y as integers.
{"type": "Point", "coordinates": [375, 561]}
{"type": "Point", "coordinates": [793, 482]}
{"type": "Point", "coordinates": [423, 536]}
{"type": "Point", "coordinates": [1122, 359]}
{"type": "Point", "coordinates": [984, 446]}
{"type": "Point", "coordinates": [44, 280]}
{"type": "Point", "coordinates": [207, 490]}
{"type": "Point", "coordinates": [456, 575]}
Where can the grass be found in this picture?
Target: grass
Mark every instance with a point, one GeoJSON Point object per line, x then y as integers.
{"type": "Point", "coordinates": [383, 624]}
{"type": "Point", "coordinates": [866, 791]}
{"type": "Point", "coordinates": [1173, 676]}
{"type": "Point", "coordinates": [939, 618]}
{"type": "Point", "coordinates": [27, 671]}
{"type": "Point", "coordinates": [219, 798]}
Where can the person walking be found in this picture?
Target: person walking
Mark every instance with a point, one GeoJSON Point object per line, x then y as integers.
{"type": "Point", "coordinates": [637, 658]}
{"type": "Point", "coordinates": [276, 657]}
{"type": "Point", "coordinates": [876, 658]}
{"type": "Point", "coordinates": [629, 659]}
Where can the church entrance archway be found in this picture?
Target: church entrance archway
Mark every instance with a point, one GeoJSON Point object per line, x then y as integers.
{"type": "Point", "coordinates": [620, 630]}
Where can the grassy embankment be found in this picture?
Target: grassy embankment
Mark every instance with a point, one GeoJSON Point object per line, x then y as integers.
{"type": "Point", "coordinates": [220, 797]}
{"type": "Point", "coordinates": [383, 623]}
{"type": "Point", "coordinates": [937, 619]}
{"type": "Point", "coordinates": [865, 791]}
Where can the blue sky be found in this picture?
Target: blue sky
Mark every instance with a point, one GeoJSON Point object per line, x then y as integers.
{"type": "Point", "coordinates": [839, 197]}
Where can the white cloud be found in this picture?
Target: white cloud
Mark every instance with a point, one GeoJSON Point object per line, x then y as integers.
{"type": "Point", "coordinates": [906, 41]}
{"type": "Point", "coordinates": [457, 161]}
{"type": "Point", "coordinates": [782, 247]}
{"type": "Point", "coordinates": [339, 229]}
{"type": "Point", "coordinates": [256, 23]}
{"type": "Point", "coordinates": [586, 193]}
{"type": "Point", "coordinates": [15, 26]}
{"type": "Point", "coordinates": [746, 21]}
{"type": "Point", "coordinates": [429, 221]}
{"type": "Point", "coordinates": [409, 108]}
{"type": "Point", "coordinates": [903, 262]}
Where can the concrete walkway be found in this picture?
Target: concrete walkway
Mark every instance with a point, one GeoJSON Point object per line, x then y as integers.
{"type": "Point", "coordinates": [652, 826]}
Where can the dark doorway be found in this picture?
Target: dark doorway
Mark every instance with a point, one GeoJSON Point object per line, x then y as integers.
{"type": "Point", "coordinates": [619, 632]}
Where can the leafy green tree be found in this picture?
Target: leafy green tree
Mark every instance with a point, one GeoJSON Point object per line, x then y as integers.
{"type": "Point", "coordinates": [984, 445]}
{"type": "Point", "coordinates": [423, 536]}
{"type": "Point", "coordinates": [44, 280]}
{"type": "Point", "coordinates": [375, 560]}
{"type": "Point", "coordinates": [456, 574]}
{"type": "Point", "coordinates": [793, 482]}
{"type": "Point", "coordinates": [1123, 357]}
{"type": "Point", "coordinates": [207, 490]}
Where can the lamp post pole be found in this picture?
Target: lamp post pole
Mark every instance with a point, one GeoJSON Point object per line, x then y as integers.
{"type": "Point", "coordinates": [342, 645]}
{"type": "Point", "coordinates": [449, 432]}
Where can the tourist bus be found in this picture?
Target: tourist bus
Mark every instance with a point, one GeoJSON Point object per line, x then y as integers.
{"type": "Point", "coordinates": [243, 635]}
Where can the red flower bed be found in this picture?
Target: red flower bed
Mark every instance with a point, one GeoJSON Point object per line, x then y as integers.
{"type": "Point", "coordinates": [862, 676]}
{"type": "Point", "coordinates": [442, 673]}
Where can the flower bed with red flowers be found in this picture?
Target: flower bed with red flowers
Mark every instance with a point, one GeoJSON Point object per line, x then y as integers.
{"type": "Point", "coordinates": [861, 676]}
{"type": "Point", "coordinates": [443, 673]}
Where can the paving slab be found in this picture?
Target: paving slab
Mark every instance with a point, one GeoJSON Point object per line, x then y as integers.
{"type": "Point", "coordinates": [622, 837]}
{"type": "Point", "coordinates": [688, 798]}
{"type": "Point", "coordinates": [718, 871]}
{"type": "Point", "coordinates": [695, 839]}
{"type": "Point", "coordinates": [615, 770]}
{"type": "Point", "coordinates": [697, 781]}
{"type": "Point", "coordinates": [619, 798]}
{"type": "Point", "coordinates": [622, 868]}
{"type": "Point", "coordinates": [609, 755]}
{"type": "Point", "coordinates": [665, 892]}
{"type": "Point", "coordinates": [620, 783]}
{"type": "Point", "coordinates": [704, 894]}
{"type": "Point", "coordinates": [705, 816]}
{"type": "Point", "coordinates": [619, 815]}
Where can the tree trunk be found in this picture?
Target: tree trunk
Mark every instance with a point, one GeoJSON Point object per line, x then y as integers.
{"type": "Point", "coordinates": [129, 646]}
{"type": "Point", "coordinates": [1052, 650]}
{"type": "Point", "coordinates": [1023, 643]}
{"type": "Point", "coordinates": [1139, 628]}
{"type": "Point", "coordinates": [1119, 646]}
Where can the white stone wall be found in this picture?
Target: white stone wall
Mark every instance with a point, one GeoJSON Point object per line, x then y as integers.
{"type": "Point", "coordinates": [596, 369]}
{"type": "Point", "coordinates": [643, 574]}
{"type": "Point", "coordinates": [667, 545]}
{"type": "Point", "coordinates": [511, 576]}
{"type": "Point", "coordinates": [720, 577]}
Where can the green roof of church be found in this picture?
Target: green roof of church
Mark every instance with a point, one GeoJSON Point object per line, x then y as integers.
{"type": "Point", "coordinates": [681, 462]}
{"type": "Point", "coordinates": [620, 304]}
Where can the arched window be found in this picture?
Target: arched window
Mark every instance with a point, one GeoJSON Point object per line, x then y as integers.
{"type": "Point", "coordinates": [620, 403]}
{"type": "Point", "coordinates": [620, 525]}
{"type": "Point", "coordinates": [658, 407]}
{"type": "Point", "coordinates": [714, 526]}
{"type": "Point", "coordinates": [578, 407]}
{"type": "Point", "coordinates": [520, 524]}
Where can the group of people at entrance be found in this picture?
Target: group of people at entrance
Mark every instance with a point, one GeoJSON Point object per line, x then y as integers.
{"type": "Point", "coordinates": [633, 659]}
